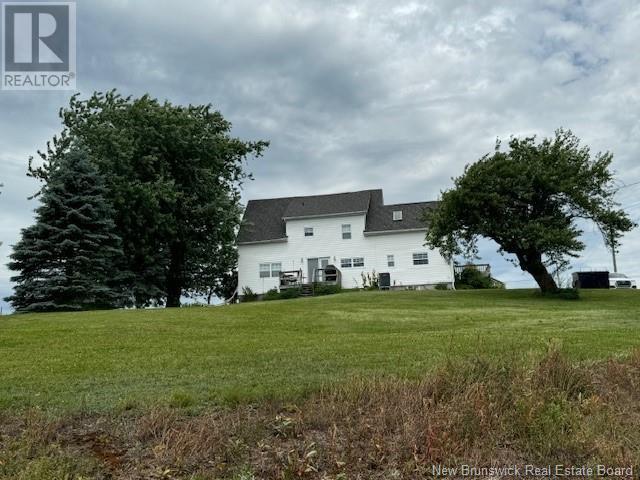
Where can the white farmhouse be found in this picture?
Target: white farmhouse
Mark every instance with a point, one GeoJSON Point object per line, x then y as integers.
{"type": "Point", "coordinates": [354, 232]}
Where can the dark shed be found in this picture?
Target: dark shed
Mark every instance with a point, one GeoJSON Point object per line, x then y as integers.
{"type": "Point", "coordinates": [590, 279]}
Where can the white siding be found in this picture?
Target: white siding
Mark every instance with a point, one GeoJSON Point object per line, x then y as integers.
{"type": "Point", "coordinates": [327, 242]}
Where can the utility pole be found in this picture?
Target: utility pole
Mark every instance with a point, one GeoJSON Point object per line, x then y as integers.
{"type": "Point", "coordinates": [613, 253]}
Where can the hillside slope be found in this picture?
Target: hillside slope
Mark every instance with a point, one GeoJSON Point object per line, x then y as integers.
{"type": "Point", "coordinates": [106, 360]}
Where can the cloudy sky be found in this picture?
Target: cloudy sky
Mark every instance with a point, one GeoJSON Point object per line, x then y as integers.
{"type": "Point", "coordinates": [362, 94]}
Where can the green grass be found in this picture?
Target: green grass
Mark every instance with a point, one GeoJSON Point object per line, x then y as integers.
{"type": "Point", "coordinates": [101, 361]}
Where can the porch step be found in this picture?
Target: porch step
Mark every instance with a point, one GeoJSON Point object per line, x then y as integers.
{"type": "Point", "coordinates": [306, 290]}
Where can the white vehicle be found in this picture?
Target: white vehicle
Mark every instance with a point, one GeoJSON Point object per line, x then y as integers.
{"type": "Point", "coordinates": [620, 280]}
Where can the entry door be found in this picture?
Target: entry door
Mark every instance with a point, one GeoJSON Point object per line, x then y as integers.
{"type": "Point", "coordinates": [312, 264]}
{"type": "Point", "coordinates": [315, 263]}
{"type": "Point", "coordinates": [324, 261]}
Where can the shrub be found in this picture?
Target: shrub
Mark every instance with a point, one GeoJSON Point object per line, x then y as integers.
{"type": "Point", "coordinates": [248, 295]}
{"type": "Point", "coordinates": [442, 286]}
{"type": "Point", "coordinates": [272, 295]}
{"type": "Point", "coordinates": [563, 293]}
{"type": "Point", "coordinates": [289, 293]}
{"type": "Point", "coordinates": [322, 289]}
{"type": "Point", "coordinates": [473, 278]}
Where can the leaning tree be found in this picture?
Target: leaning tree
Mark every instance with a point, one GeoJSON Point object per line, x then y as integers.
{"type": "Point", "coordinates": [529, 200]}
{"type": "Point", "coordinates": [173, 175]}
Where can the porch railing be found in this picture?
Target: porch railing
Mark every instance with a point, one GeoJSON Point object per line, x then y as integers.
{"type": "Point", "coordinates": [483, 268]}
{"type": "Point", "coordinates": [291, 279]}
{"type": "Point", "coordinates": [326, 275]}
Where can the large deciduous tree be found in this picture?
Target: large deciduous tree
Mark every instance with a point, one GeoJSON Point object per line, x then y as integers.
{"type": "Point", "coordinates": [71, 258]}
{"type": "Point", "coordinates": [529, 200]}
{"type": "Point", "coordinates": [217, 275]}
{"type": "Point", "coordinates": [173, 175]}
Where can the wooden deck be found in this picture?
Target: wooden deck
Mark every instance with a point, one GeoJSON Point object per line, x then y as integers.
{"type": "Point", "coordinates": [321, 276]}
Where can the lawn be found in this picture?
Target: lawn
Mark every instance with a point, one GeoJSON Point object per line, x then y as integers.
{"type": "Point", "coordinates": [109, 360]}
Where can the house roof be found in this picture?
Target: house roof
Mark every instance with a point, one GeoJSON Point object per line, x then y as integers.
{"type": "Point", "coordinates": [380, 217]}
{"type": "Point", "coordinates": [323, 205]}
{"type": "Point", "coordinates": [264, 220]}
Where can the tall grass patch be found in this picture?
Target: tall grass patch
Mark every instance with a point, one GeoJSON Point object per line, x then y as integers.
{"type": "Point", "coordinates": [479, 411]}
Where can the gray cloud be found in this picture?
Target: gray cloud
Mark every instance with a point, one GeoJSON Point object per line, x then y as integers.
{"type": "Point", "coordinates": [399, 95]}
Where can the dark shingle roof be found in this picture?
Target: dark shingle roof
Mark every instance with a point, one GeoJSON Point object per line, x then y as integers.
{"type": "Point", "coordinates": [337, 203]}
{"type": "Point", "coordinates": [264, 219]}
{"type": "Point", "coordinates": [380, 217]}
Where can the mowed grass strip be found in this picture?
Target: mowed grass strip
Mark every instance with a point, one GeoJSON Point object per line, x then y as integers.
{"type": "Point", "coordinates": [100, 361]}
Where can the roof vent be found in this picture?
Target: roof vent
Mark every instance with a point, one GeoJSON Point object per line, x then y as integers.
{"type": "Point", "coordinates": [397, 215]}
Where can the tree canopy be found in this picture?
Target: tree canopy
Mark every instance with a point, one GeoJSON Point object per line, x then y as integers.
{"type": "Point", "coordinates": [71, 258]}
{"type": "Point", "coordinates": [173, 175]}
{"type": "Point", "coordinates": [529, 200]}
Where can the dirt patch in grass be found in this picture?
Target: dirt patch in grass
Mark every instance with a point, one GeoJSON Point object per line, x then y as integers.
{"type": "Point", "coordinates": [479, 412]}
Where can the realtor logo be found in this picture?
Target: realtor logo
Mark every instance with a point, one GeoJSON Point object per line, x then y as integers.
{"type": "Point", "coordinates": [38, 46]}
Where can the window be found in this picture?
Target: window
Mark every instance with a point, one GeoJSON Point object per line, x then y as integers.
{"type": "Point", "coordinates": [270, 269]}
{"type": "Point", "coordinates": [391, 262]}
{"type": "Point", "coordinates": [352, 262]}
{"type": "Point", "coordinates": [308, 231]}
{"type": "Point", "coordinates": [421, 258]}
{"type": "Point", "coordinates": [275, 269]}
{"type": "Point", "coordinates": [346, 232]}
{"type": "Point", "coordinates": [397, 215]}
{"type": "Point", "coordinates": [265, 270]}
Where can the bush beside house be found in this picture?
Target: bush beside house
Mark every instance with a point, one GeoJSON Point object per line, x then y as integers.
{"type": "Point", "coordinates": [470, 278]}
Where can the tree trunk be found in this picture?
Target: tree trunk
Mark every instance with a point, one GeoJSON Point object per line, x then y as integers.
{"type": "Point", "coordinates": [532, 263]}
{"type": "Point", "coordinates": [175, 275]}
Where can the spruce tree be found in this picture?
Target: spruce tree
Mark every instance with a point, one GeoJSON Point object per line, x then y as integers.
{"type": "Point", "coordinates": [70, 259]}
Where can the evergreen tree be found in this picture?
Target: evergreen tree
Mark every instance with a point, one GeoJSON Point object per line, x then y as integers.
{"type": "Point", "coordinates": [70, 258]}
{"type": "Point", "coordinates": [173, 175]}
